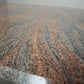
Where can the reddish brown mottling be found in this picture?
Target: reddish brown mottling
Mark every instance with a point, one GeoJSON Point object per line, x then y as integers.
{"type": "Point", "coordinates": [44, 41]}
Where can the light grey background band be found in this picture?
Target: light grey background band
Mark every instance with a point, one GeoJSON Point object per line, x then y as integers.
{"type": "Point", "coordinates": [62, 3]}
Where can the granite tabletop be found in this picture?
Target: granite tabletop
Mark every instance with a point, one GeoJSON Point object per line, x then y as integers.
{"type": "Point", "coordinates": [41, 43]}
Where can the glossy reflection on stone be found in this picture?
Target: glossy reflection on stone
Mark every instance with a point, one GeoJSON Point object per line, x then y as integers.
{"type": "Point", "coordinates": [9, 75]}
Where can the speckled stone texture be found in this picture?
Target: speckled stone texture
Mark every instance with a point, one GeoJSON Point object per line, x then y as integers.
{"type": "Point", "coordinates": [44, 41]}
{"type": "Point", "coordinates": [11, 76]}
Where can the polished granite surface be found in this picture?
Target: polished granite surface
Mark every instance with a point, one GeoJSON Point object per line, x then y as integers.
{"type": "Point", "coordinates": [11, 76]}
{"type": "Point", "coordinates": [43, 41]}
